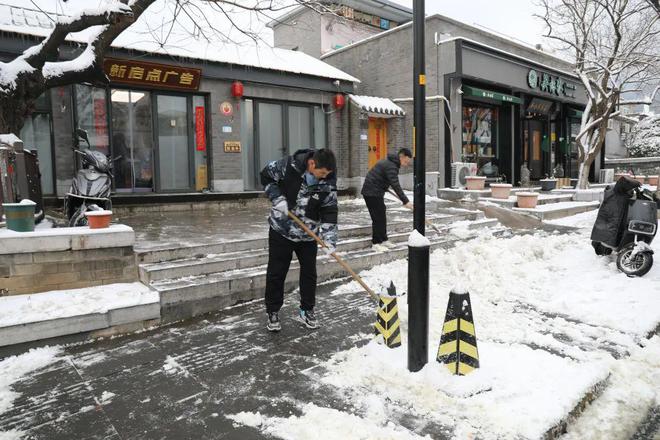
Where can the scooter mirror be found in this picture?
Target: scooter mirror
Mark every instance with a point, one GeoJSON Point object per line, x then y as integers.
{"type": "Point", "coordinates": [82, 134]}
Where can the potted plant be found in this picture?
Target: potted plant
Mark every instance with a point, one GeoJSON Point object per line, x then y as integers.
{"type": "Point", "coordinates": [652, 180]}
{"type": "Point", "coordinates": [527, 199]}
{"type": "Point", "coordinates": [475, 182]}
{"type": "Point", "coordinates": [548, 184]}
{"type": "Point", "coordinates": [99, 219]}
{"type": "Point", "coordinates": [20, 216]}
{"type": "Point", "coordinates": [499, 189]}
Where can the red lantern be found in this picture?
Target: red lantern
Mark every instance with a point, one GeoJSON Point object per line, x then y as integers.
{"type": "Point", "coordinates": [237, 89]}
{"type": "Point", "coordinates": [339, 101]}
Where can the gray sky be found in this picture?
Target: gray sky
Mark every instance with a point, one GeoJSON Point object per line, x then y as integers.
{"type": "Point", "coordinates": [510, 17]}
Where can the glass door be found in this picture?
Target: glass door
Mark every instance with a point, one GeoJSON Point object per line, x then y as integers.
{"type": "Point", "coordinates": [270, 133]}
{"type": "Point", "coordinates": [535, 139]}
{"type": "Point", "coordinates": [173, 143]}
{"type": "Point", "coordinates": [132, 140]}
{"type": "Point", "coordinates": [36, 136]}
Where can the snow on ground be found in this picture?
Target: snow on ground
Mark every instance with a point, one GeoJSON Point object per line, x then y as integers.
{"type": "Point", "coordinates": [633, 391]}
{"type": "Point", "coordinates": [15, 367]}
{"type": "Point", "coordinates": [552, 321]}
{"type": "Point", "coordinates": [22, 309]}
{"type": "Point", "coordinates": [583, 221]}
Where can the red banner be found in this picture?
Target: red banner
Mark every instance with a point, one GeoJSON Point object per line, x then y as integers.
{"type": "Point", "coordinates": [200, 129]}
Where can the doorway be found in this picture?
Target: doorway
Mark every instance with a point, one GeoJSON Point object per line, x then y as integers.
{"type": "Point", "coordinates": [536, 149]}
{"type": "Point", "coordinates": [377, 140]}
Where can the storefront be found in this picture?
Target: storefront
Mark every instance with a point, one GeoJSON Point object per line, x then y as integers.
{"type": "Point", "coordinates": [512, 112]}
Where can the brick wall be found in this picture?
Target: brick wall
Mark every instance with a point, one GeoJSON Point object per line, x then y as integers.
{"type": "Point", "coordinates": [44, 271]}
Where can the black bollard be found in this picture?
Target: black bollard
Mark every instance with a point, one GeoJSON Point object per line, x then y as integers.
{"type": "Point", "coordinates": [418, 307]}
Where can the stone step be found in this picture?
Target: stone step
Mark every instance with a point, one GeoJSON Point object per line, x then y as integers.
{"type": "Point", "coordinates": [544, 199]}
{"type": "Point", "coordinates": [214, 263]}
{"type": "Point", "coordinates": [191, 296]}
{"type": "Point", "coordinates": [559, 210]}
{"type": "Point", "coordinates": [170, 253]}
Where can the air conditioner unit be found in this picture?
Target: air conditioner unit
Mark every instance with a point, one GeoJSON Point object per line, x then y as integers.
{"type": "Point", "coordinates": [606, 175]}
{"type": "Point", "coordinates": [460, 170]}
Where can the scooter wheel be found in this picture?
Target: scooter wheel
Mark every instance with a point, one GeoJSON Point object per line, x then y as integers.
{"type": "Point", "coordinates": [636, 266]}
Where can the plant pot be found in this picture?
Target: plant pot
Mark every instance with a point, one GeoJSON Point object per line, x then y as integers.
{"type": "Point", "coordinates": [640, 179]}
{"type": "Point", "coordinates": [617, 176]}
{"type": "Point", "coordinates": [500, 190]}
{"type": "Point", "coordinates": [652, 180]}
{"type": "Point", "coordinates": [99, 219]}
{"type": "Point", "coordinates": [527, 199]}
{"type": "Point", "coordinates": [475, 182]}
{"type": "Point", "coordinates": [20, 216]}
{"type": "Point", "coordinates": [548, 184]}
{"type": "Point", "coordinates": [563, 181]}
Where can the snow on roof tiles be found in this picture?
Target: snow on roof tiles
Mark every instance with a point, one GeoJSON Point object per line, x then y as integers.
{"type": "Point", "coordinates": [375, 104]}
{"type": "Point", "coordinates": [141, 37]}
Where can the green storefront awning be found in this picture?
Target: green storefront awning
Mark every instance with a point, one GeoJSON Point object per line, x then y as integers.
{"type": "Point", "coordinates": [495, 96]}
{"type": "Point", "coordinates": [572, 113]}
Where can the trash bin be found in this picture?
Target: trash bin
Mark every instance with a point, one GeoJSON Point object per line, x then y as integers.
{"type": "Point", "coordinates": [20, 216]}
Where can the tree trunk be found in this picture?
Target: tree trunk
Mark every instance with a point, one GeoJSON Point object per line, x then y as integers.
{"type": "Point", "coordinates": [583, 175]}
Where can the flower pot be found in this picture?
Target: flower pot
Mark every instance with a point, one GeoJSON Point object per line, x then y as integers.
{"type": "Point", "coordinates": [527, 199]}
{"type": "Point", "coordinates": [500, 190]}
{"type": "Point", "coordinates": [617, 176]}
{"type": "Point", "coordinates": [652, 180]}
{"type": "Point", "coordinates": [475, 182]}
{"type": "Point", "coordinates": [20, 216]}
{"type": "Point", "coordinates": [640, 179]}
{"type": "Point", "coordinates": [98, 219]}
{"type": "Point", "coordinates": [563, 181]}
{"type": "Point", "coordinates": [548, 184]}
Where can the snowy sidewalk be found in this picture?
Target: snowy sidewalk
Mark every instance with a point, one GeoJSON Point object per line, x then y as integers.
{"type": "Point", "coordinates": [556, 327]}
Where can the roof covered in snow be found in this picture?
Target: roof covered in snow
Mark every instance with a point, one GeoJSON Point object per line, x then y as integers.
{"type": "Point", "coordinates": [374, 104]}
{"type": "Point", "coordinates": [156, 32]}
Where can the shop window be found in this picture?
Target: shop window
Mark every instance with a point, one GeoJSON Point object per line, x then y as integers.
{"type": "Point", "coordinates": [300, 128]}
{"type": "Point", "coordinates": [36, 136]}
{"type": "Point", "coordinates": [173, 152]}
{"type": "Point", "coordinates": [92, 115]}
{"type": "Point", "coordinates": [479, 139]}
{"type": "Point", "coordinates": [319, 127]}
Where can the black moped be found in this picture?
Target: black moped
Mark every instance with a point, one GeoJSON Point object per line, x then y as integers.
{"type": "Point", "coordinates": [626, 224]}
{"type": "Point", "coordinates": [91, 187]}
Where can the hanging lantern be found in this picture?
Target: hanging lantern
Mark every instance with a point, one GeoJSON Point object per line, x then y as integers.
{"type": "Point", "coordinates": [339, 101]}
{"type": "Point", "coordinates": [237, 89]}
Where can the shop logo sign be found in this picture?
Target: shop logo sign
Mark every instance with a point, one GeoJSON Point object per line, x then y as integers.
{"type": "Point", "coordinates": [547, 83]}
{"type": "Point", "coordinates": [143, 73]}
{"type": "Point", "coordinates": [226, 108]}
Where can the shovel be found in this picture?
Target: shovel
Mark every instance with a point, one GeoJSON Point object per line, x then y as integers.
{"type": "Point", "coordinates": [427, 221]}
{"type": "Point", "coordinates": [341, 262]}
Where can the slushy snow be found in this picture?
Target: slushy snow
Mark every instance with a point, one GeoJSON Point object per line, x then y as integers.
{"type": "Point", "coordinates": [415, 239]}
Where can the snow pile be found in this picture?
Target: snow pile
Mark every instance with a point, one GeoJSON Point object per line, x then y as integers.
{"type": "Point", "coordinates": [415, 239]}
{"type": "Point", "coordinates": [15, 367]}
{"type": "Point", "coordinates": [10, 138]}
{"type": "Point", "coordinates": [23, 309]}
{"type": "Point", "coordinates": [375, 104]}
{"type": "Point", "coordinates": [318, 422]}
{"type": "Point", "coordinates": [584, 220]}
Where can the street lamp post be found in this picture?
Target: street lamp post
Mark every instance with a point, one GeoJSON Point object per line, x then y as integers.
{"type": "Point", "coordinates": [418, 257]}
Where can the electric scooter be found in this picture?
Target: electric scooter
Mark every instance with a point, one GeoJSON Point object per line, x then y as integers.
{"type": "Point", "coordinates": [90, 188]}
{"type": "Point", "coordinates": [626, 224]}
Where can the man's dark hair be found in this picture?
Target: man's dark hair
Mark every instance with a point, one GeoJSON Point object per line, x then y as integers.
{"type": "Point", "coordinates": [406, 152]}
{"type": "Point", "coordinates": [325, 158]}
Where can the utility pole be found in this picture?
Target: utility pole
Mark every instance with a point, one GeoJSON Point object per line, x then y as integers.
{"type": "Point", "coordinates": [418, 257]}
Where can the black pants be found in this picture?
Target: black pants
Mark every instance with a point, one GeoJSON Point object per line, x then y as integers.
{"type": "Point", "coordinates": [280, 252]}
{"type": "Point", "coordinates": [376, 206]}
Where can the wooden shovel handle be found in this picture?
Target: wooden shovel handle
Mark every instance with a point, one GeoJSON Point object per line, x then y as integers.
{"type": "Point", "coordinates": [341, 262]}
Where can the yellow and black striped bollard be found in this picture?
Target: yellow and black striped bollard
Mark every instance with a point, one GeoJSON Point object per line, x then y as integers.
{"type": "Point", "coordinates": [458, 343]}
{"type": "Point", "coordinates": [387, 318]}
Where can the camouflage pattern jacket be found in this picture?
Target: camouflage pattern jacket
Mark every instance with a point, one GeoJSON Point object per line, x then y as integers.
{"type": "Point", "coordinates": [315, 204]}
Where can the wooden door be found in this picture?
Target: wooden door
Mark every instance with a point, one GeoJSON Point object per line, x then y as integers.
{"type": "Point", "coordinates": [377, 140]}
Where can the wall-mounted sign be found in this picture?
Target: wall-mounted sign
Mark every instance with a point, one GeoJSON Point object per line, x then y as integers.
{"type": "Point", "coordinates": [226, 108]}
{"type": "Point", "coordinates": [232, 146]}
{"type": "Point", "coordinates": [495, 96]}
{"type": "Point", "coordinates": [551, 84]}
{"type": "Point", "coordinates": [226, 129]}
{"type": "Point", "coordinates": [142, 73]}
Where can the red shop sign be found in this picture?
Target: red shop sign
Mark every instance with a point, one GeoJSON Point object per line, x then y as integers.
{"type": "Point", "coordinates": [200, 129]}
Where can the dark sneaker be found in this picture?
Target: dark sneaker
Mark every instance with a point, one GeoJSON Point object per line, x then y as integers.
{"type": "Point", "coordinates": [307, 317]}
{"type": "Point", "coordinates": [273, 322]}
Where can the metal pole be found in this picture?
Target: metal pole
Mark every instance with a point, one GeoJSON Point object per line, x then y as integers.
{"type": "Point", "coordinates": [418, 257]}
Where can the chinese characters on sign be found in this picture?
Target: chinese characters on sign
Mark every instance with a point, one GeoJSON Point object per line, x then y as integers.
{"type": "Point", "coordinates": [232, 147]}
{"type": "Point", "coordinates": [550, 84]}
{"type": "Point", "coordinates": [200, 132]}
{"type": "Point", "coordinates": [151, 74]}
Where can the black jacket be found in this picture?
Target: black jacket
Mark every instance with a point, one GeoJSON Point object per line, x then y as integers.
{"type": "Point", "coordinates": [315, 205]}
{"type": "Point", "coordinates": [383, 175]}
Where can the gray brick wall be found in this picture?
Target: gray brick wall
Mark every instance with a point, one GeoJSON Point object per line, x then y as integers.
{"type": "Point", "coordinates": [44, 271]}
{"type": "Point", "coordinates": [302, 31]}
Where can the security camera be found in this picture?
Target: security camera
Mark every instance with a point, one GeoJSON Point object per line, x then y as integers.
{"type": "Point", "coordinates": [459, 90]}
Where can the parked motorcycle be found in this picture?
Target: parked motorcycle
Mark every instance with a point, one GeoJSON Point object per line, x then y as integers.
{"type": "Point", "coordinates": [90, 188]}
{"type": "Point", "coordinates": [626, 224]}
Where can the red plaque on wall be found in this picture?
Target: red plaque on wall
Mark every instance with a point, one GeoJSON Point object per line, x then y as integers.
{"type": "Point", "coordinates": [200, 129]}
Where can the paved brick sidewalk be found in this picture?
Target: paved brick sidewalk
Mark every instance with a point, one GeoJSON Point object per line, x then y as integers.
{"type": "Point", "coordinates": [178, 382]}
